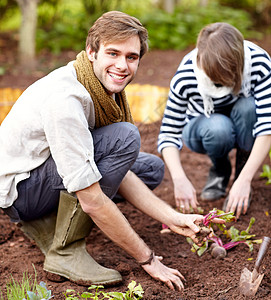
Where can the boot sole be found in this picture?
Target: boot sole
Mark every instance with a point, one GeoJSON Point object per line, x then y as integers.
{"type": "Point", "coordinates": [57, 276]}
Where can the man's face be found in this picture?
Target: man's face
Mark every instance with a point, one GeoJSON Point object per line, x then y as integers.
{"type": "Point", "coordinates": [115, 64]}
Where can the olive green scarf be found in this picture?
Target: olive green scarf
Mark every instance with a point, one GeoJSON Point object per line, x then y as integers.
{"type": "Point", "coordinates": [107, 110]}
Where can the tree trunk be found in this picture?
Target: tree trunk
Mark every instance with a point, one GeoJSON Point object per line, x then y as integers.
{"type": "Point", "coordinates": [27, 42]}
{"type": "Point", "coordinates": [203, 3]}
{"type": "Point", "coordinates": [169, 6]}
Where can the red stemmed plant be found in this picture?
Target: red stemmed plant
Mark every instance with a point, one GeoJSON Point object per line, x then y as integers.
{"type": "Point", "coordinates": [214, 242]}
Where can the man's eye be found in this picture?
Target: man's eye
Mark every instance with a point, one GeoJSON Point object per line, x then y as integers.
{"type": "Point", "coordinates": [112, 54]}
{"type": "Point", "coordinates": [132, 57]}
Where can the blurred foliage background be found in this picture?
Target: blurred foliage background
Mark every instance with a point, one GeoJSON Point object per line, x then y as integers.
{"type": "Point", "coordinates": [172, 24]}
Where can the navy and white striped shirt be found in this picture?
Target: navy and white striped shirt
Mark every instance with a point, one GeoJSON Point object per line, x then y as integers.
{"type": "Point", "coordinates": [185, 102]}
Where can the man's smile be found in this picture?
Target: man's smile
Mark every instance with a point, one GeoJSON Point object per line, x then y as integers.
{"type": "Point", "coordinates": [116, 76]}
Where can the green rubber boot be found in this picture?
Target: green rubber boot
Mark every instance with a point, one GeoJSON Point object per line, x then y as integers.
{"type": "Point", "coordinates": [42, 231]}
{"type": "Point", "coordinates": [68, 256]}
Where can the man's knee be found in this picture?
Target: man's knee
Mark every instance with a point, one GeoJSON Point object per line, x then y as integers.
{"type": "Point", "coordinates": [118, 139]}
{"type": "Point", "coordinates": [131, 134]}
{"type": "Point", "coordinates": [129, 139]}
{"type": "Point", "coordinates": [149, 168]}
{"type": "Point", "coordinates": [158, 174]}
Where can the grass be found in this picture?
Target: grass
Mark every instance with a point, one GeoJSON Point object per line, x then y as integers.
{"type": "Point", "coordinates": [26, 289]}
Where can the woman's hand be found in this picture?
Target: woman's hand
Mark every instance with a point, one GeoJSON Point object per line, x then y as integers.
{"type": "Point", "coordinates": [239, 197]}
{"type": "Point", "coordinates": [185, 195]}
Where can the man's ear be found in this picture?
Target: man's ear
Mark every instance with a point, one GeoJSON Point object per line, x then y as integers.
{"type": "Point", "coordinates": [90, 54]}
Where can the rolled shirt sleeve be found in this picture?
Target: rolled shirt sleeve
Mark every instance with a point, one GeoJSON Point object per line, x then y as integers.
{"type": "Point", "coordinates": [70, 141]}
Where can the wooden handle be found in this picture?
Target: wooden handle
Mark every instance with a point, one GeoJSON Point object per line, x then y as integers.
{"type": "Point", "coordinates": [262, 251]}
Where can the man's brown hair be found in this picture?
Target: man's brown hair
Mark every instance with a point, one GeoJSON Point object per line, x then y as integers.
{"type": "Point", "coordinates": [221, 54]}
{"type": "Point", "coordinates": [116, 26]}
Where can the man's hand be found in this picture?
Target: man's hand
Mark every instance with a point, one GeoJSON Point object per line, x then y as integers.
{"type": "Point", "coordinates": [189, 225]}
{"type": "Point", "coordinates": [171, 277]}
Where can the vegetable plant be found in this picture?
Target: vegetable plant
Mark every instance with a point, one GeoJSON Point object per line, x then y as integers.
{"type": "Point", "coordinates": [42, 293]}
{"type": "Point", "coordinates": [214, 242]}
{"type": "Point", "coordinates": [134, 292]}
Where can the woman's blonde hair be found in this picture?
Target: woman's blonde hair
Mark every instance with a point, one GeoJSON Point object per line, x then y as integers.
{"type": "Point", "coordinates": [221, 54]}
{"type": "Point", "coordinates": [116, 26]}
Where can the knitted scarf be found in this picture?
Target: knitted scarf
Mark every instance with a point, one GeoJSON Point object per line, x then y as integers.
{"type": "Point", "coordinates": [107, 110]}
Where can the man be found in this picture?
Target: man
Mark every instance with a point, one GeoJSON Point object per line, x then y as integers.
{"type": "Point", "coordinates": [72, 131]}
{"type": "Point", "coordinates": [219, 99]}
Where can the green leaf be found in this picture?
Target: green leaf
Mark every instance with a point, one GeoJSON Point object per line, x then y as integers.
{"type": "Point", "coordinates": [131, 285]}
{"type": "Point", "coordinates": [250, 245]}
{"type": "Point", "coordinates": [32, 296]}
{"type": "Point", "coordinates": [244, 236]}
{"type": "Point", "coordinates": [251, 222]}
{"type": "Point", "coordinates": [93, 286]}
{"type": "Point", "coordinates": [233, 232]}
{"type": "Point", "coordinates": [116, 295]}
{"type": "Point", "coordinates": [70, 291]}
{"type": "Point", "coordinates": [257, 241]}
{"type": "Point", "coordinates": [202, 249]}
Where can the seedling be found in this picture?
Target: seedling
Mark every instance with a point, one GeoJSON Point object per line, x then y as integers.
{"type": "Point", "coordinates": [207, 230]}
{"type": "Point", "coordinates": [42, 293]}
{"type": "Point", "coordinates": [214, 242]}
{"type": "Point", "coordinates": [220, 214]}
{"type": "Point", "coordinates": [134, 292]}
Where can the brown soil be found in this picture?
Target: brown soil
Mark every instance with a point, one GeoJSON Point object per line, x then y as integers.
{"type": "Point", "coordinates": [206, 278]}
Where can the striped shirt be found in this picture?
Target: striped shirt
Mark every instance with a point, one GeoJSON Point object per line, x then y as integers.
{"type": "Point", "coordinates": [185, 102]}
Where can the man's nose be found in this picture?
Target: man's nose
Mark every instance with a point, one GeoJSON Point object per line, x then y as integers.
{"type": "Point", "coordinates": [121, 63]}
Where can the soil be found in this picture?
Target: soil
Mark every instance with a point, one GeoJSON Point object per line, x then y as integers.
{"type": "Point", "coordinates": [206, 278]}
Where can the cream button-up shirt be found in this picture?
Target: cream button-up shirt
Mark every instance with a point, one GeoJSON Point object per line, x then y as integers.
{"type": "Point", "coordinates": [52, 117]}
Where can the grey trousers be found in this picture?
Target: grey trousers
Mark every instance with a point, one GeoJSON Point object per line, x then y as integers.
{"type": "Point", "coordinates": [116, 150]}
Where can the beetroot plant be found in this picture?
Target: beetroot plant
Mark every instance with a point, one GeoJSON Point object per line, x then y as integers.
{"type": "Point", "coordinates": [214, 242]}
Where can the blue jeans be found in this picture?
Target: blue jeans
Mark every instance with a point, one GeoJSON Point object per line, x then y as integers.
{"type": "Point", "coordinates": [116, 150]}
{"type": "Point", "coordinates": [218, 135]}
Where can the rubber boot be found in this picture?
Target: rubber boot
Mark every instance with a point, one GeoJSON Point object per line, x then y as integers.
{"type": "Point", "coordinates": [217, 181]}
{"type": "Point", "coordinates": [42, 231]}
{"type": "Point", "coordinates": [68, 256]}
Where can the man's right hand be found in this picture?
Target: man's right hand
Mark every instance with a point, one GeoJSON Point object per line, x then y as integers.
{"type": "Point", "coordinates": [171, 277]}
